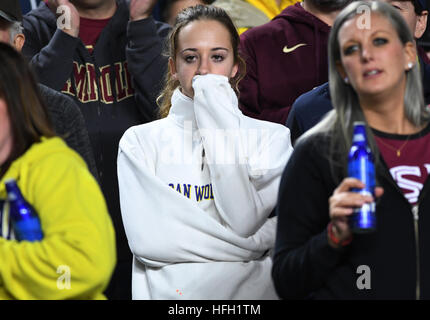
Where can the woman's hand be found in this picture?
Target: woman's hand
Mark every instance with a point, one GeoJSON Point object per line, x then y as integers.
{"type": "Point", "coordinates": [342, 204]}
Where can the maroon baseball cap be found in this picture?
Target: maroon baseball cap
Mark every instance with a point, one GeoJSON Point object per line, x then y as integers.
{"type": "Point", "coordinates": [10, 10]}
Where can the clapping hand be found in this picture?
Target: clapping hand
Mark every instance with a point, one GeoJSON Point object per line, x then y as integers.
{"type": "Point", "coordinates": [68, 20]}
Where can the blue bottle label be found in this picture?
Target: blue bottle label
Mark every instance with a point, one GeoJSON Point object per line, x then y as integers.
{"type": "Point", "coordinates": [28, 229]}
{"type": "Point", "coordinates": [359, 137]}
{"type": "Point", "coordinates": [362, 168]}
{"type": "Point", "coordinates": [25, 221]}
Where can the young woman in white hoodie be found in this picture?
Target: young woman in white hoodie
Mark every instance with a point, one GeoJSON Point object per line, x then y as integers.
{"type": "Point", "coordinates": [197, 187]}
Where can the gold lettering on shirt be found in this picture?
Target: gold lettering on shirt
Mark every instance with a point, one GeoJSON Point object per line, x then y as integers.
{"type": "Point", "coordinates": [89, 87]}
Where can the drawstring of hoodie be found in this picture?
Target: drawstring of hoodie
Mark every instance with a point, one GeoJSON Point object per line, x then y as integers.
{"type": "Point", "coordinates": [112, 78]}
{"type": "Point", "coordinates": [112, 73]}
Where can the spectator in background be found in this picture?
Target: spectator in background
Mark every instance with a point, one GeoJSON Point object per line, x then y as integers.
{"type": "Point", "coordinates": [78, 235]}
{"type": "Point", "coordinates": [173, 7]}
{"type": "Point", "coordinates": [286, 57]}
{"type": "Point", "coordinates": [424, 41]}
{"type": "Point", "coordinates": [65, 115]}
{"type": "Point", "coordinates": [28, 5]}
{"type": "Point", "coordinates": [110, 61]}
{"type": "Point", "coordinates": [251, 13]}
{"type": "Point", "coordinates": [375, 79]}
{"type": "Point", "coordinates": [310, 107]}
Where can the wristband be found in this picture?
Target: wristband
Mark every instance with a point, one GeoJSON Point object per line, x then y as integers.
{"type": "Point", "coordinates": [335, 240]}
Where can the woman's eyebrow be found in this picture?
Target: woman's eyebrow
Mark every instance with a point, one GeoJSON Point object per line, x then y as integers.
{"type": "Point", "coordinates": [195, 49]}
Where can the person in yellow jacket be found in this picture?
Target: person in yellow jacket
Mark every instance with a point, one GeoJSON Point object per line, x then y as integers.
{"type": "Point", "coordinates": [251, 13]}
{"type": "Point", "coordinates": [76, 256]}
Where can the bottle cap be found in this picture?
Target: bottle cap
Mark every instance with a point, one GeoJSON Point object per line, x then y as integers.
{"type": "Point", "coordinates": [10, 180]}
{"type": "Point", "coordinates": [359, 123]}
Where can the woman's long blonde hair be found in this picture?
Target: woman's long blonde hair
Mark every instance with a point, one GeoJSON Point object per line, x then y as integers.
{"type": "Point", "coordinates": [186, 16]}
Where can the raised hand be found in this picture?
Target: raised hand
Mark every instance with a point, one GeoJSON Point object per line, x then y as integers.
{"type": "Point", "coordinates": [67, 17]}
{"type": "Point", "coordinates": [141, 9]}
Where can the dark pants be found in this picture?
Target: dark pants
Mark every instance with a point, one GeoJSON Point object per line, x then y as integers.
{"type": "Point", "coordinates": [120, 285]}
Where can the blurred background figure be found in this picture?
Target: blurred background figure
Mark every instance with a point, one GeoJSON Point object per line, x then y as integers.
{"type": "Point", "coordinates": [251, 13]}
{"type": "Point", "coordinates": [28, 5]}
{"type": "Point", "coordinates": [78, 235]}
{"type": "Point", "coordinates": [424, 41]}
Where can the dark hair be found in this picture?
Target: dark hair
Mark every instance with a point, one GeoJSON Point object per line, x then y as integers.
{"type": "Point", "coordinates": [168, 6]}
{"type": "Point", "coordinates": [186, 16]}
{"type": "Point", "coordinates": [28, 116]}
{"type": "Point", "coordinates": [419, 6]}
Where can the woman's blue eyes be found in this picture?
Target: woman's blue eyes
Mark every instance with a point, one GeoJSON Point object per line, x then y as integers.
{"type": "Point", "coordinates": [377, 42]}
{"type": "Point", "coordinates": [349, 50]}
{"type": "Point", "coordinates": [380, 41]}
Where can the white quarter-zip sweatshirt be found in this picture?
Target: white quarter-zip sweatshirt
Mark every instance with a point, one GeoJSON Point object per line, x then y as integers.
{"type": "Point", "coordinates": [196, 192]}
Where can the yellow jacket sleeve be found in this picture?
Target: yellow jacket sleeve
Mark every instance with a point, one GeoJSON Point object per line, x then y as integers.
{"type": "Point", "coordinates": [76, 257]}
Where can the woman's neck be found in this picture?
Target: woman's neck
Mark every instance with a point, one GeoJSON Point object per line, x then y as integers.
{"type": "Point", "coordinates": [387, 114]}
{"type": "Point", "coordinates": [385, 111]}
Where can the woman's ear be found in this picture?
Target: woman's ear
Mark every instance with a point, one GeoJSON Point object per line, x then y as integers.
{"type": "Point", "coordinates": [421, 25]}
{"type": "Point", "coordinates": [410, 55]}
{"type": "Point", "coordinates": [19, 41]}
{"type": "Point", "coordinates": [234, 70]}
{"type": "Point", "coordinates": [172, 67]}
{"type": "Point", "coordinates": [340, 69]}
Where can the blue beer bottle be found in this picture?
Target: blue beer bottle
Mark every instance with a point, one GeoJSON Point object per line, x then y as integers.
{"type": "Point", "coordinates": [25, 221]}
{"type": "Point", "coordinates": [361, 167]}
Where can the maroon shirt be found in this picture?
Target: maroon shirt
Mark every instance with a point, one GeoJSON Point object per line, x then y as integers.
{"type": "Point", "coordinates": [285, 58]}
{"type": "Point", "coordinates": [408, 158]}
{"type": "Point", "coordinates": [90, 30]}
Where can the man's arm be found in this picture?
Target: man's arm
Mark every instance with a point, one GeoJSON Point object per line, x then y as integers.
{"type": "Point", "coordinates": [51, 51]}
{"type": "Point", "coordinates": [144, 53]}
{"type": "Point", "coordinates": [146, 62]}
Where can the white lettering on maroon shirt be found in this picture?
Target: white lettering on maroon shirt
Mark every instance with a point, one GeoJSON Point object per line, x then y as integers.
{"type": "Point", "coordinates": [411, 169]}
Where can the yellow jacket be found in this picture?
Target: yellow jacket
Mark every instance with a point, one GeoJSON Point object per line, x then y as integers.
{"type": "Point", "coordinates": [77, 255]}
{"type": "Point", "coordinates": [251, 13]}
